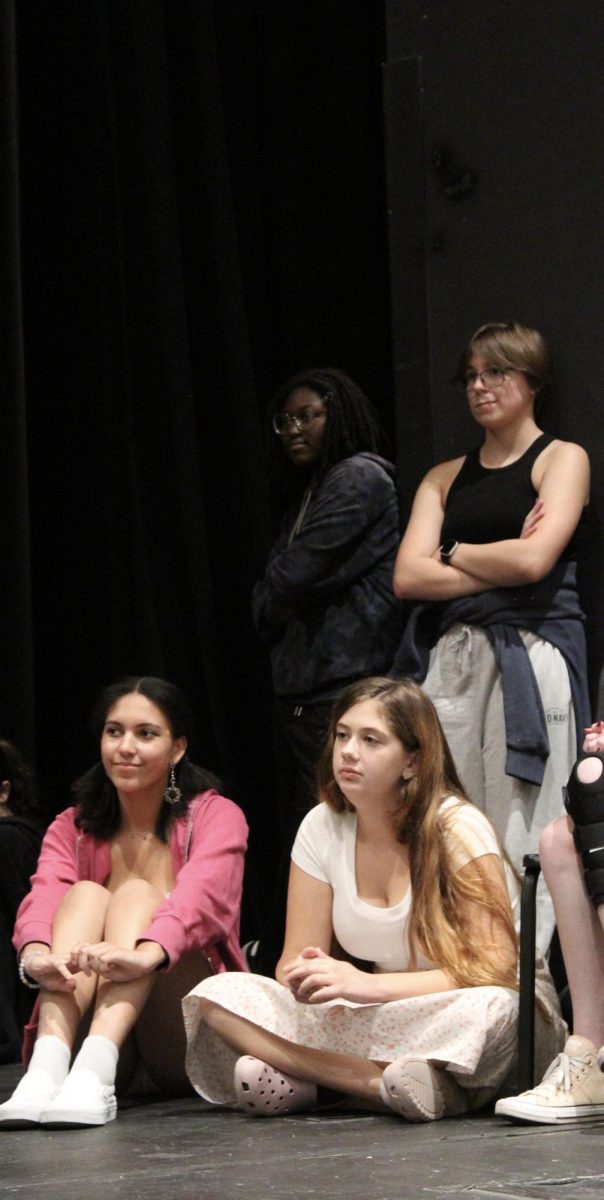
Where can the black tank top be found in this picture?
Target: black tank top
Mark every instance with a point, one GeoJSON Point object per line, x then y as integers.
{"type": "Point", "coordinates": [489, 504]}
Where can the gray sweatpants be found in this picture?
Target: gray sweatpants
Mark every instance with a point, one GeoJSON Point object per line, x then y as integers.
{"type": "Point", "coordinates": [464, 683]}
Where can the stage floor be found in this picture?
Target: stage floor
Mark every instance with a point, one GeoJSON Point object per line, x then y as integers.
{"type": "Point", "coordinates": [177, 1149]}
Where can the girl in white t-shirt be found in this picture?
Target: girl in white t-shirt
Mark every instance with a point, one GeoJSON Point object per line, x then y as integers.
{"type": "Point", "coordinates": [397, 869]}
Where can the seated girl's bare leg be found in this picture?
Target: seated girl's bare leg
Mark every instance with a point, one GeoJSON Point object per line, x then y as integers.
{"type": "Point", "coordinates": [160, 1032]}
{"type": "Point", "coordinates": [343, 1072]}
{"type": "Point", "coordinates": [580, 931]}
{"type": "Point", "coordinates": [80, 918]}
{"type": "Point", "coordinates": [118, 1005]}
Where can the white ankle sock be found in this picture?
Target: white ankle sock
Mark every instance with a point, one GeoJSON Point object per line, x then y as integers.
{"type": "Point", "coordinates": [98, 1054]}
{"type": "Point", "coordinates": [51, 1054]}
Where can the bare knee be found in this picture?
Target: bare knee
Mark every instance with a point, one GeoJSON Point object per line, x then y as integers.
{"type": "Point", "coordinates": [85, 893]}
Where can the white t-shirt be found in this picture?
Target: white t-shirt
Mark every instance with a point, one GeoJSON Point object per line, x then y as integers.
{"type": "Point", "coordinates": [325, 848]}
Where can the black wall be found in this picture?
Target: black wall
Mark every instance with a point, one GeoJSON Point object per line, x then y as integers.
{"type": "Point", "coordinates": [499, 176]}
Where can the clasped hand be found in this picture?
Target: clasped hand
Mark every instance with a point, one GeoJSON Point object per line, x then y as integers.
{"type": "Point", "coordinates": [114, 962]}
{"type": "Point", "coordinates": [55, 972]}
{"type": "Point", "coordinates": [314, 977]}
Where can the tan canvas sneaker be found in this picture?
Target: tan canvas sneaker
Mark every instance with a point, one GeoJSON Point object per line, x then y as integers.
{"type": "Point", "coordinates": [572, 1089]}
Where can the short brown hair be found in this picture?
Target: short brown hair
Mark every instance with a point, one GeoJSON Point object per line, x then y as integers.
{"type": "Point", "coordinates": [510, 345]}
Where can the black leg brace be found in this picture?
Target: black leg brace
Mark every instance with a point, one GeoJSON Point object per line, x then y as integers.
{"type": "Point", "coordinates": [584, 802]}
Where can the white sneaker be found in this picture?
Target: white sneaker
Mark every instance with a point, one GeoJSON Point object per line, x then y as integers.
{"type": "Point", "coordinates": [83, 1100]}
{"type": "Point", "coordinates": [572, 1089]}
{"type": "Point", "coordinates": [31, 1096]}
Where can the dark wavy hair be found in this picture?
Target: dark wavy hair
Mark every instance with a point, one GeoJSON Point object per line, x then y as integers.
{"type": "Point", "coordinates": [93, 793]}
{"type": "Point", "coordinates": [22, 801]}
{"type": "Point", "coordinates": [351, 425]}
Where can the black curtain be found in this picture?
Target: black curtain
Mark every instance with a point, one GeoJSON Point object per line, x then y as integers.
{"type": "Point", "coordinates": [195, 210]}
{"type": "Point", "coordinates": [16, 638]}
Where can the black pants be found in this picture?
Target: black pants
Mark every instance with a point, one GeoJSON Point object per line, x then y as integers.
{"type": "Point", "coordinates": [299, 737]}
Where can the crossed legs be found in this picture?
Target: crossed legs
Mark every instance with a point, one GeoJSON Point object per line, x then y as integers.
{"type": "Point", "coordinates": [345, 1073]}
{"type": "Point", "coordinates": [276, 1077]}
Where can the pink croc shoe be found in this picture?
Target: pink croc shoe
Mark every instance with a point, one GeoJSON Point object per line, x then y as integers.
{"type": "Point", "coordinates": [418, 1091]}
{"type": "Point", "coordinates": [263, 1091]}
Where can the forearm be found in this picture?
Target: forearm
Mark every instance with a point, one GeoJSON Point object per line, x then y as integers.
{"type": "Point", "coordinates": [404, 985]}
{"type": "Point", "coordinates": [511, 563]}
{"type": "Point", "coordinates": [204, 905]}
{"type": "Point", "coordinates": [350, 526]}
{"type": "Point", "coordinates": [153, 956]}
{"type": "Point", "coordinates": [429, 579]}
{"type": "Point", "coordinates": [315, 977]}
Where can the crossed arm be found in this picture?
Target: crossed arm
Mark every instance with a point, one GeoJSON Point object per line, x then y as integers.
{"type": "Point", "coordinates": [563, 487]}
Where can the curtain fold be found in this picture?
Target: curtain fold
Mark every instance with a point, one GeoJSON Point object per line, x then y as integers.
{"type": "Point", "coordinates": [17, 716]}
{"type": "Point", "coordinates": [166, 270]}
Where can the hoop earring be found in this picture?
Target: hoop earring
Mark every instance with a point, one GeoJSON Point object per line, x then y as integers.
{"type": "Point", "coordinates": [172, 793]}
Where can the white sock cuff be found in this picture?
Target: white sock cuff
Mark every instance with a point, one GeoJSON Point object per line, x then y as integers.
{"type": "Point", "coordinates": [98, 1054]}
{"type": "Point", "coordinates": [104, 1044]}
{"type": "Point", "coordinates": [51, 1054]}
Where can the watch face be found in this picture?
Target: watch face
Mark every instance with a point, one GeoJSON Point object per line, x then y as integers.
{"type": "Point", "coordinates": [447, 549]}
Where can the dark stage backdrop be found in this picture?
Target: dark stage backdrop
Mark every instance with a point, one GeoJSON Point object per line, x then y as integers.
{"type": "Point", "coordinates": [193, 209]}
{"type": "Point", "coordinates": [494, 117]}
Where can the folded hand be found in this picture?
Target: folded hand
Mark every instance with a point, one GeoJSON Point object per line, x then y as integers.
{"type": "Point", "coordinates": [315, 977]}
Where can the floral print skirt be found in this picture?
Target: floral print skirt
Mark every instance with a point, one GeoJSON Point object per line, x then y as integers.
{"type": "Point", "coordinates": [471, 1031]}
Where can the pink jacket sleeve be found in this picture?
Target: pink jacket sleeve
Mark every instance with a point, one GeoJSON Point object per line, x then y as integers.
{"type": "Point", "coordinates": [56, 872]}
{"type": "Point", "coordinates": [204, 906]}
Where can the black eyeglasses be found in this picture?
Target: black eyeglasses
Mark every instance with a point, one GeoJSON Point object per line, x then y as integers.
{"type": "Point", "coordinates": [491, 377]}
{"type": "Point", "coordinates": [284, 422]}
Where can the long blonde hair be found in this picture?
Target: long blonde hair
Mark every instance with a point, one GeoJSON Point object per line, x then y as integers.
{"type": "Point", "coordinates": [437, 926]}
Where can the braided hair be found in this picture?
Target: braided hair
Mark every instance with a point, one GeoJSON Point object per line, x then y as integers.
{"type": "Point", "coordinates": [351, 425]}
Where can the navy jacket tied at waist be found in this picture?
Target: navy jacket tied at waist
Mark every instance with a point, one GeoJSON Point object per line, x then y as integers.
{"type": "Point", "coordinates": [550, 609]}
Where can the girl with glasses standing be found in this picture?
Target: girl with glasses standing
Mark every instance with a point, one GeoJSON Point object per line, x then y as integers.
{"type": "Point", "coordinates": [325, 604]}
{"type": "Point", "coordinates": [490, 556]}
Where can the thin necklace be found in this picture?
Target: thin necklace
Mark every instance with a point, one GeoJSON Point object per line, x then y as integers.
{"type": "Point", "coordinates": [138, 834]}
